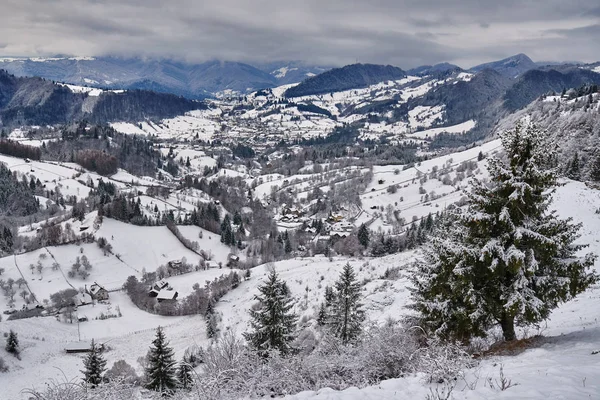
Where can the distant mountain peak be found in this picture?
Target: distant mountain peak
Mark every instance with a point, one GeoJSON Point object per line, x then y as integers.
{"type": "Point", "coordinates": [510, 67]}
{"type": "Point", "coordinates": [443, 67]}
{"type": "Point", "coordinates": [351, 76]}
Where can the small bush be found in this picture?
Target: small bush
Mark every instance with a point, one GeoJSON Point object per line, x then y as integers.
{"type": "Point", "coordinates": [3, 366]}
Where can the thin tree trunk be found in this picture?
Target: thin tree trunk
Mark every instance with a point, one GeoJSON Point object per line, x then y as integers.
{"type": "Point", "coordinates": [508, 327]}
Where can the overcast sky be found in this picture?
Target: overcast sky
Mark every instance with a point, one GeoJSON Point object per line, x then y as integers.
{"type": "Point", "coordinates": [405, 33]}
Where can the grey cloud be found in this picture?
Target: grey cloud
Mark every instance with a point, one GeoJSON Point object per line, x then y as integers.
{"type": "Point", "coordinates": [333, 32]}
{"type": "Point", "coordinates": [590, 32]}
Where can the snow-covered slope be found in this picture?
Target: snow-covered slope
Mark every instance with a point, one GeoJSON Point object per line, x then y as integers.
{"type": "Point", "coordinates": [563, 366]}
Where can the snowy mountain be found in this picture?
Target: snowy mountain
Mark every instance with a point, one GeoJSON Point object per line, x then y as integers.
{"type": "Point", "coordinates": [353, 76]}
{"type": "Point", "coordinates": [433, 69]}
{"type": "Point", "coordinates": [195, 81]}
{"type": "Point", "coordinates": [35, 101]}
{"type": "Point", "coordinates": [291, 72]}
{"type": "Point", "coordinates": [510, 67]}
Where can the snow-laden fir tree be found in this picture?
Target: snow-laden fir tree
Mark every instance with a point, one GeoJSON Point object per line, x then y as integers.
{"type": "Point", "coordinates": [273, 323]}
{"type": "Point", "coordinates": [161, 370]}
{"type": "Point", "coordinates": [184, 375]}
{"type": "Point", "coordinates": [345, 314]}
{"type": "Point", "coordinates": [12, 343]}
{"type": "Point", "coordinates": [94, 366]}
{"type": "Point", "coordinates": [507, 259]}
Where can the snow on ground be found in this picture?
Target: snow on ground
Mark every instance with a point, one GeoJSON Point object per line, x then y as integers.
{"type": "Point", "coordinates": [91, 91]}
{"type": "Point", "coordinates": [431, 133]}
{"type": "Point", "coordinates": [197, 124]}
{"type": "Point", "coordinates": [209, 242]}
{"type": "Point", "coordinates": [464, 76]}
{"type": "Point", "coordinates": [282, 72]}
{"type": "Point", "coordinates": [424, 116]}
{"type": "Point", "coordinates": [144, 247]}
{"type": "Point", "coordinates": [416, 199]}
{"type": "Point", "coordinates": [562, 367]}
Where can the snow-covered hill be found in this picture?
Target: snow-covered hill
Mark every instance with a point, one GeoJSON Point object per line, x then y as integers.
{"type": "Point", "coordinates": [562, 366]}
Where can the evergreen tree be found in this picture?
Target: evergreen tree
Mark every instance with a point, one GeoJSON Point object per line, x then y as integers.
{"type": "Point", "coordinates": [363, 235]}
{"type": "Point", "coordinates": [212, 326]}
{"type": "Point", "coordinates": [595, 169]}
{"type": "Point", "coordinates": [574, 168]}
{"type": "Point", "coordinates": [346, 315]}
{"type": "Point", "coordinates": [184, 375]}
{"type": "Point", "coordinates": [95, 366]}
{"type": "Point", "coordinates": [227, 236]}
{"type": "Point", "coordinates": [273, 323]}
{"type": "Point", "coordinates": [161, 370]}
{"type": "Point", "coordinates": [322, 317]}
{"type": "Point", "coordinates": [508, 259]}
{"type": "Point", "coordinates": [12, 343]}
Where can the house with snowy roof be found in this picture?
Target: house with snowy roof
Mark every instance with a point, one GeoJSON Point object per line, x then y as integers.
{"type": "Point", "coordinates": [98, 292]}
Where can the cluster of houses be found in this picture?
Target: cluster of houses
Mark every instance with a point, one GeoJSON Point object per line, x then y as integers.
{"type": "Point", "coordinates": [291, 214]}
{"type": "Point", "coordinates": [162, 291]}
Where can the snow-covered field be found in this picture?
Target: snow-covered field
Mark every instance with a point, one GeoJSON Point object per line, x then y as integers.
{"type": "Point", "coordinates": [562, 367]}
{"type": "Point", "coordinates": [198, 124]}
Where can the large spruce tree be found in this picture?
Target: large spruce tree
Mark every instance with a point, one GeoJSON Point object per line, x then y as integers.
{"type": "Point", "coordinates": [273, 323]}
{"type": "Point", "coordinates": [161, 370]}
{"type": "Point", "coordinates": [346, 315]}
{"type": "Point", "coordinates": [507, 259]}
{"type": "Point", "coordinates": [94, 366]}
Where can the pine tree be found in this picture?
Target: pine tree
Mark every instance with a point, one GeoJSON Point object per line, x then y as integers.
{"type": "Point", "coordinates": [574, 168]}
{"type": "Point", "coordinates": [363, 235]}
{"type": "Point", "coordinates": [95, 366]}
{"type": "Point", "coordinates": [595, 169]}
{"type": "Point", "coordinates": [508, 259]}
{"type": "Point", "coordinates": [322, 317]}
{"type": "Point", "coordinates": [346, 315]}
{"type": "Point", "coordinates": [288, 245]}
{"type": "Point", "coordinates": [273, 323]}
{"type": "Point", "coordinates": [161, 370]}
{"type": "Point", "coordinates": [212, 325]}
{"type": "Point", "coordinates": [184, 375]}
{"type": "Point", "coordinates": [227, 236]}
{"type": "Point", "coordinates": [12, 344]}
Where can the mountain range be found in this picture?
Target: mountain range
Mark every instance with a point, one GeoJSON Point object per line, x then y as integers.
{"type": "Point", "coordinates": [206, 79]}
{"type": "Point", "coordinates": [483, 93]}
{"type": "Point", "coordinates": [195, 81]}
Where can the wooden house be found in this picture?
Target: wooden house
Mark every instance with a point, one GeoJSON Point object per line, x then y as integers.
{"type": "Point", "coordinates": [167, 295]}
{"type": "Point", "coordinates": [98, 292]}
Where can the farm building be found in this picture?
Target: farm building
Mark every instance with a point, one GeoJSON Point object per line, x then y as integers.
{"type": "Point", "coordinates": [98, 292]}
{"type": "Point", "coordinates": [167, 295]}
{"type": "Point", "coordinates": [81, 299]}
{"type": "Point", "coordinates": [81, 347]}
{"type": "Point", "coordinates": [157, 288]}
